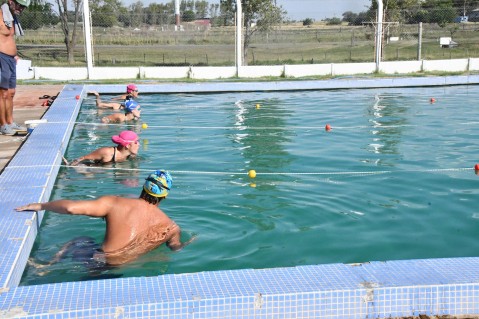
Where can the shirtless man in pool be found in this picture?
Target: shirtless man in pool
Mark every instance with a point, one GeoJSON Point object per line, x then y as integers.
{"type": "Point", "coordinates": [134, 226]}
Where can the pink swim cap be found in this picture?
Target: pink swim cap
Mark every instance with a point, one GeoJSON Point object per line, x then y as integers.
{"type": "Point", "coordinates": [131, 87]}
{"type": "Point", "coordinates": [125, 138]}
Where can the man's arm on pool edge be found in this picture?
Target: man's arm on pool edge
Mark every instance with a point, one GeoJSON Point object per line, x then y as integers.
{"type": "Point", "coordinates": [94, 208]}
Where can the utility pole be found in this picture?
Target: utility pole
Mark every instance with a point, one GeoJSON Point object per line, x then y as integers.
{"type": "Point", "coordinates": [379, 34]}
{"type": "Point", "coordinates": [239, 42]}
{"type": "Point", "coordinates": [177, 14]}
{"type": "Point", "coordinates": [87, 30]}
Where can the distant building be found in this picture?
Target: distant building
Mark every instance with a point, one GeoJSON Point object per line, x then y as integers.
{"type": "Point", "coordinates": [203, 23]}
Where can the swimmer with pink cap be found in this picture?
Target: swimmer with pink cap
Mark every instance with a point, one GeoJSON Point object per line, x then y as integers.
{"type": "Point", "coordinates": [117, 103]}
{"type": "Point", "coordinates": [127, 148]}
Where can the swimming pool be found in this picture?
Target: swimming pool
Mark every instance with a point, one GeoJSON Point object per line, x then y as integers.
{"type": "Point", "coordinates": [379, 186]}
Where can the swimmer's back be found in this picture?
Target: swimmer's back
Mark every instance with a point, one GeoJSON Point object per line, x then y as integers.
{"type": "Point", "coordinates": [128, 218]}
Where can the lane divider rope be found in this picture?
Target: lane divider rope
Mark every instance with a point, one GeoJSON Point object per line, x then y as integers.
{"type": "Point", "coordinates": [435, 170]}
{"type": "Point", "coordinates": [242, 127]}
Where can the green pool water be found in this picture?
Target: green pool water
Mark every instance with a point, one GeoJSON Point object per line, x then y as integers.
{"type": "Point", "coordinates": [392, 180]}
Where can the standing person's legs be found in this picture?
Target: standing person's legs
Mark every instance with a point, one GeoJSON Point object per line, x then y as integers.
{"type": "Point", "coordinates": [4, 113]}
{"type": "Point", "coordinates": [9, 106]}
{"type": "Point", "coordinates": [11, 94]}
{"type": "Point", "coordinates": [13, 125]}
{"type": "Point", "coordinates": [8, 83]}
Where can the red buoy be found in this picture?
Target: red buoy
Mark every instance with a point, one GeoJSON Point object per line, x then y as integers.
{"type": "Point", "coordinates": [77, 97]}
{"type": "Point", "coordinates": [327, 127]}
{"type": "Point", "coordinates": [476, 167]}
{"type": "Point", "coordinates": [433, 100]}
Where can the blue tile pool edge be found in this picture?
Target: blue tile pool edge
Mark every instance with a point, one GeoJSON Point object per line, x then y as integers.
{"type": "Point", "coordinates": [375, 289]}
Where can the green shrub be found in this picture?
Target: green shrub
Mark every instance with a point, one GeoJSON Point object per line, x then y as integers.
{"type": "Point", "coordinates": [307, 22]}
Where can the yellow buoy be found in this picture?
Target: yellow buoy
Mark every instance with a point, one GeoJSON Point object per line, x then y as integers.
{"type": "Point", "coordinates": [258, 106]}
{"type": "Point", "coordinates": [144, 126]}
{"type": "Point", "coordinates": [252, 173]}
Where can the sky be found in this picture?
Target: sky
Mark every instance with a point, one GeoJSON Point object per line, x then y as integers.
{"type": "Point", "coordinates": [302, 9]}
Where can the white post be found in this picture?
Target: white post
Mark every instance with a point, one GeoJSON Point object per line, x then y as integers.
{"type": "Point", "coordinates": [419, 42]}
{"type": "Point", "coordinates": [239, 28]}
{"type": "Point", "coordinates": [379, 34]}
{"type": "Point", "coordinates": [177, 14]}
{"type": "Point", "coordinates": [88, 46]}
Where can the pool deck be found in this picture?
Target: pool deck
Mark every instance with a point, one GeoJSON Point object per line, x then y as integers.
{"type": "Point", "coordinates": [364, 290]}
{"type": "Point", "coordinates": [28, 106]}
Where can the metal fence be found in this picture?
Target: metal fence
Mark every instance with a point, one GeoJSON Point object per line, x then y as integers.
{"type": "Point", "coordinates": [201, 43]}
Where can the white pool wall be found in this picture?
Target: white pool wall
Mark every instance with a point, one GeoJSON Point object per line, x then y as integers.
{"type": "Point", "coordinates": [25, 71]}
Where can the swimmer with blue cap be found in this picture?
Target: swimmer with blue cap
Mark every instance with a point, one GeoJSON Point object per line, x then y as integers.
{"type": "Point", "coordinates": [158, 184]}
{"type": "Point", "coordinates": [134, 226]}
{"type": "Point", "coordinates": [132, 112]}
{"type": "Point", "coordinates": [117, 103]}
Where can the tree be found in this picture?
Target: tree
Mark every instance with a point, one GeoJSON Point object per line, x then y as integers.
{"type": "Point", "coordinates": [360, 18]}
{"type": "Point", "coordinates": [188, 16]}
{"type": "Point", "coordinates": [333, 21]}
{"type": "Point", "coordinates": [105, 13]}
{"type": "Point", "coordinates": [440, 11]}
{"type": "Point", "coordinates": [136, 14]}
{"type": "Point", "coordinates": [308, 22]}
{"type": "Point", "coordinates": [349, 17]}
{"type": "Point", "coordinates": [201, 9]}
{"type": "Point", "coordinates": [38, 15]}
{"type": "Point", "coordinates": [227, 12]}
{"type": "Point", "coordinates": [70, 32]}
{"type": "Point", "coordinates": [214, 10]}
{"type": "Point", "coordinates": [259, 16]}
{"type": "Point", "coordinates": [159, 14]}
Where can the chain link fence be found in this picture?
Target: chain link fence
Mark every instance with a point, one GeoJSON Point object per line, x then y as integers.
{"type": "Point", "coordinates": [154, 40]}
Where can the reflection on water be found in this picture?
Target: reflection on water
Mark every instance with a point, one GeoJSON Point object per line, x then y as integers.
{"type": "Point", "coordinates": [378, 186]}
{"type": "Point", "coordinates": [389, 118]}
{"type": "Point", "coordinates": [262, 133]}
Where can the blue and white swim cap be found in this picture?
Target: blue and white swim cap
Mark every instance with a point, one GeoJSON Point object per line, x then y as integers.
{"type": "Point", "coordinates": [131, 105]}
{"type": "Point", "coordinates": [158, 184]}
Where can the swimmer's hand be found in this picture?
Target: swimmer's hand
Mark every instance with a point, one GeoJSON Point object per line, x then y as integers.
{"type": "Point", "coordinates": [76, 161]}
{"type": "Point", "coordinates": [36, 265]}
{"type": "Point", "coordinates": [189, 241]}
{"type": "Point", "coordinates": [193, 238]}
{"type": "Point", "coordinates": [33, 206]}
{"type": "Point", "coordinates": [65, 160]}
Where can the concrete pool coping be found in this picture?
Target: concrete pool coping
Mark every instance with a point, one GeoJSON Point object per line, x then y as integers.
{"type": "Point", "coordinates": [371, 289]}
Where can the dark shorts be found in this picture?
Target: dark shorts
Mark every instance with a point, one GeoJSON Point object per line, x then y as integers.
{"type": "Point", "coordinates": [85, 250]}
{"type": "Point", "coordinates": [8, 71]}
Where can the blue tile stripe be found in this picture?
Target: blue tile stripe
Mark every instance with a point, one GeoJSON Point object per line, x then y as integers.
{"type": "Point", "coordinates": [367, 290]}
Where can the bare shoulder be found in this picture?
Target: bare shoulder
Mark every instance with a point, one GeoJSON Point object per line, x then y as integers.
{"type": "Point", "coordinates": [107, 199]}
{"type": "Point", "coordinates": [116, 203]}
{"type": "Point", "coordinates": [120, 201]}
{"type": "Point", "coordinates": [105, 150]}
